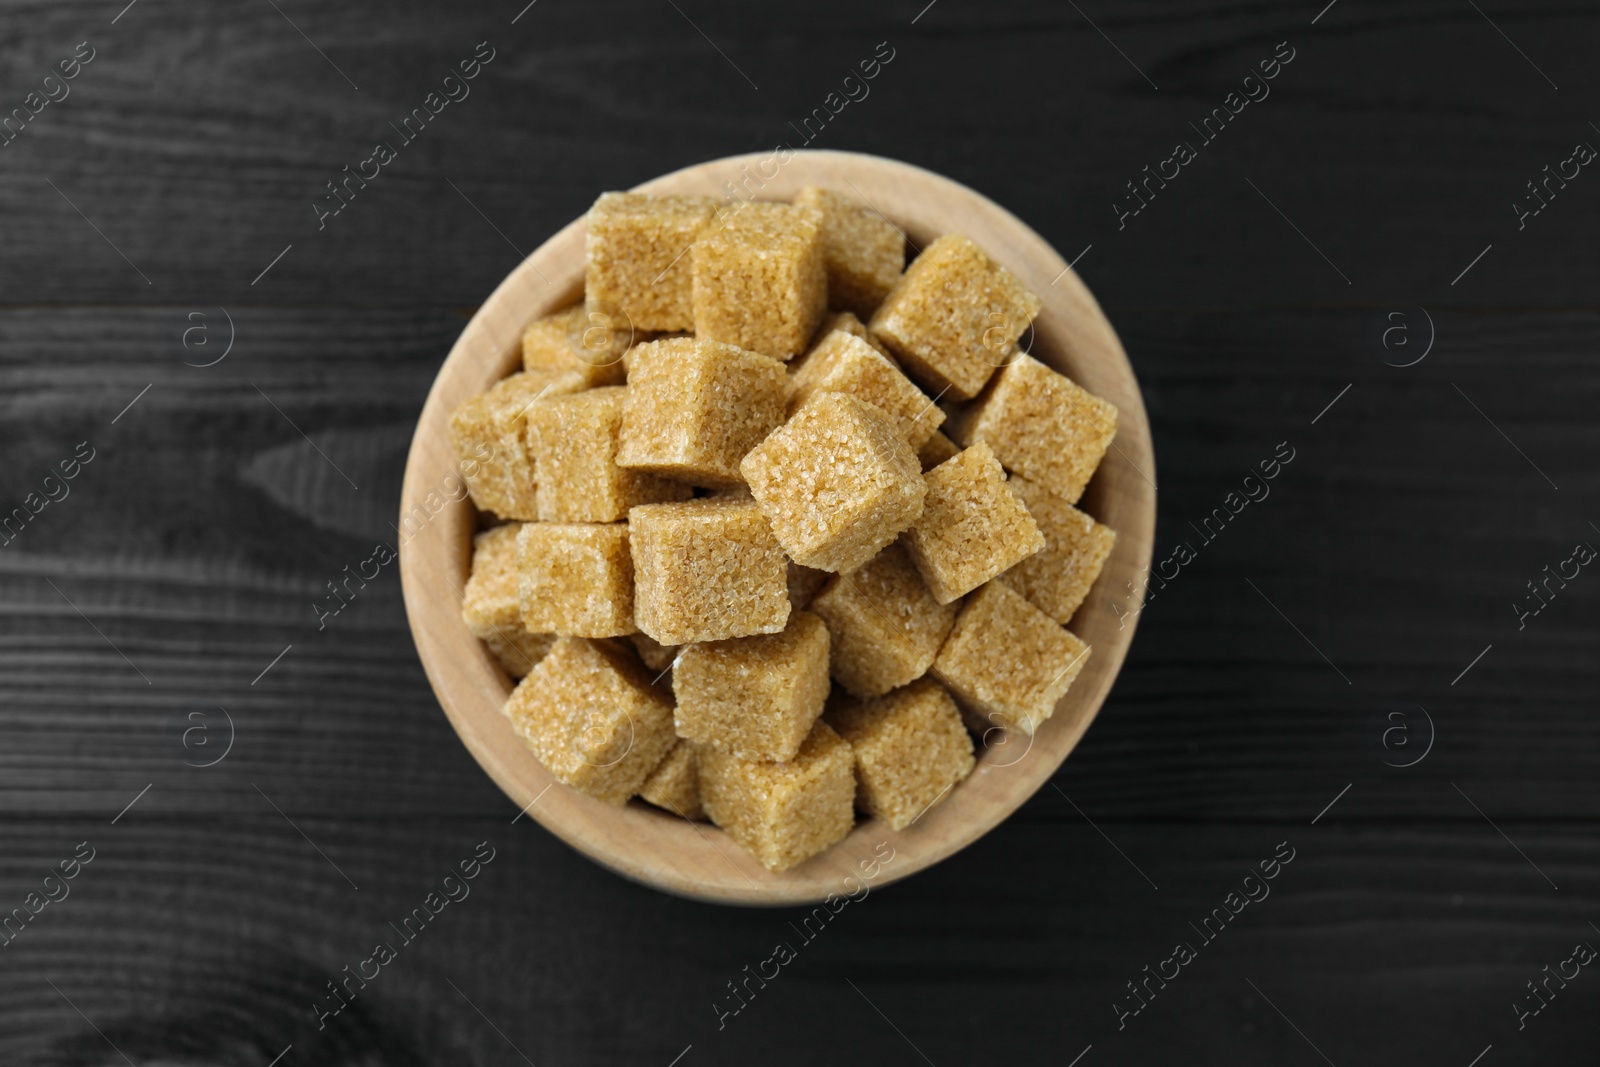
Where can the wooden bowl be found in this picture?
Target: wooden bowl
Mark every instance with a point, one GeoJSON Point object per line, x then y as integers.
{"type": "Point", "coordinates": [694, 859]}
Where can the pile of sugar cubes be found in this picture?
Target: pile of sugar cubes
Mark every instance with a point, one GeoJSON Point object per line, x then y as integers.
{"type": "Point", "coordinates": [727, 466]}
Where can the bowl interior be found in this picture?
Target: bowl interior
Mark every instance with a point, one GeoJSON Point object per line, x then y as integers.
{"type": "Point", "coordinates": [698, 860]}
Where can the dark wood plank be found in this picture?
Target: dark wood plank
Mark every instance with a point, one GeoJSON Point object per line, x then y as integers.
{"type": "Point", "coordinates": [1404, 128]}
{"type": "Point", "coordinates": [568, 961]}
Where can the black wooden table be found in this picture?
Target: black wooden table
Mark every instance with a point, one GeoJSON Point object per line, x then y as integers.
{"type": "Point", "coordinates": [1386, 669]}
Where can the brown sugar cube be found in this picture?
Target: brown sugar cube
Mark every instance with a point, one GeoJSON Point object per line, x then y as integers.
{"type": "Point", "coordinates": [845, 363]}
{"type": "Point", "coordinates": [1007, 661]}
{"type": "Point", "coordinates": [491, 446]}
{"type": "Point", "coordinates": [642, 339]}
{"type": "Point", "coordinates": [910, 748]}
{"type": "Point", "coordinates": [846, 321]}
{"type": "Point", "coordinates": [842, 320]}
{"type": "Point", "coordinates": [1042, 425]}
{"type": "Point", "coordinates": [864, 252]}
{"type": "Point", "coordinates": [575, 441]}
{"type": "Point", "coordinates": [754, 697]}
{"type": "Point", "coordinates": [695, 407]}
{"type": "Point", "coordinates": [783, 812]}
{"type": "Point", "coordinates": [577, 341]}
{"type": "Point", "coordinates": [953, 316]}
{"type": "Point", "coordinates": [675, 783]}
{"type": "Point", "coordinates": [804, 583]}
{"type": "Point", "coordinates": [652, 653]}
{"type": "Point", "coordinates": [759, 278]}
{"type": "Point", "coordinates": [886, 626]}
{"type": "Point", "coordinates": [849, 323]}
{"type": "Point", "coordinates": [973, 526]}
{"type": "Point", "coordinates": [639, 269]}
{"type": "Point", "coordinates": [705, 570]}
{"type": "Point", "coordinates": [935, 450]}
{"type": "Point", "coordinates": [491, 606]}
{"type": "Point", "coordinates": [591, 716]}
{"type": "Point", "coordinates": [575, 579]}
{"type": "Point", "coordinates": [517, 650]}
{"type": "Point", "coordinates": [837, 481]}
{"type": "Point", "coordinates": [1058, 577]}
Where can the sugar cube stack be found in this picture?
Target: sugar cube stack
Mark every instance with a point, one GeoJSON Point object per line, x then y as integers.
{"type": "Point", "coordinates": [863, 251]}
{"type": "Point", "coordinates": [886, 625]}
{"type": "Point", "coordinates": [574, 440]}
{"type": "Point", "coordinates": [652, 653]}
{"type": "Point", "coordinates": [575, 579]}
{"type": "Point", "coordinates": [953, 317]}
{"type": "Point", "coordinates": [696, 407]}
{"type": "Point", "coordinates": [910, 747]}
{"type": "Point", "coordinates": [754, 697]}
{"type": "Point", "coordinates": [706, 570]}
{"type": "Point", "coordinates": [846, 321]}
{"type": "Point", "coordinates": [1042, 425]}
{"type": "Point", "coordinates": [491, 603]}
{"type": "Point", "coordinates": [675, 783]}
{"type": "Point", "coordinates": [783, 811]}
{"type": "Point", "coordinates": [639, 268]}
{"type": "Point", "coordinates": [488, 433]}
{"type": "Point", "coordinates": [578, 341]}
{"type": "Point", "coordinates": [1058, 577]}
{"type": "Point", "coordinates": [1007, 661]}
{"type": "Point", "coordinates": [935, 450]}
{"type": "Point", "coordinates": [837, 481]}
{"type": "Point", "coordinates": [972, 527]}
{"type": "Point", "coordinates": [845, 363]}
{"type": "Point", "coordinates": [804, 584]}
{"type": "Point", "coordinates": [759, 278]}
{"type": "Point", "coordinates": [771, 591]}
{"type": "Point", "coordinates": [593, 718]}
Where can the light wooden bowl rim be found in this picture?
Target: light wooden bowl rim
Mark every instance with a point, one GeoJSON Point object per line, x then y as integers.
{"type": "Point", "coordinates": [698, 860]}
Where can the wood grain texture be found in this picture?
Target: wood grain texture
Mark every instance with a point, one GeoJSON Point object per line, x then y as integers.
{"type": "Point", "coordinates": [1396, 541]}
{"type": "Point", "coordinates": [675, 854]}
{"type": "Point", "coordinates": [221, 948]}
